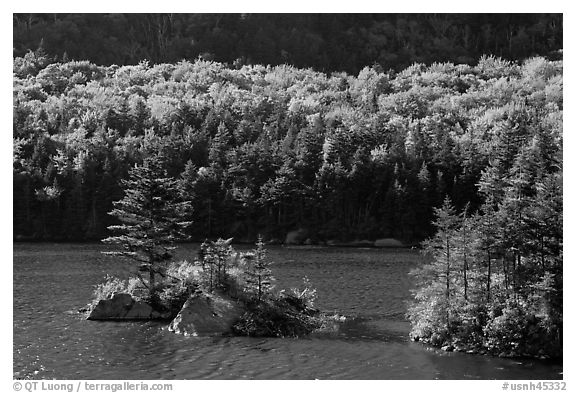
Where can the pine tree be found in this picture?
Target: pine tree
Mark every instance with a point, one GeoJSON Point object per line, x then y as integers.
{"type": "Point", "coordinates": [153, 216]}
{"type": "Point", "coordinates": [214, 258]}
{"type": "Point", "coordinates": [217, 153]}
{"type": "Point", "coordinates": [259, 278]}
{"type": "Point", "coordinates": [466, 241]}
{"type": "Point", "coordinates": [441, 247]}
{"type": "Point", "coordinates": [140, 117]}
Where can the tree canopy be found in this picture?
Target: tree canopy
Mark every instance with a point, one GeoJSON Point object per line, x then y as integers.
{"type": "Point", "coordinates": [272, 149]}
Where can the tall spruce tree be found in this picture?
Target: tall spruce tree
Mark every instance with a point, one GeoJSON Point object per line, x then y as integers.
{"type": "Point", "coordinates": [259, 278]}
{"type": "Point", "coordinates": [153, 215]}
{"type": "Point", "coordinates": [441, 248]}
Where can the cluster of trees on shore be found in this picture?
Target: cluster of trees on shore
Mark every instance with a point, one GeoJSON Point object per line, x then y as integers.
{"type": "Point", "coordinates": [495, 283]}
{"type": "Point", "coordinates": [270, 149]}
{"type": "Point", "coordinates": [326, 42]}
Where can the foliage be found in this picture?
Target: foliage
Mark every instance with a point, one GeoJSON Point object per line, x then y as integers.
{"type": "Point", "coordinates": [517, 330]}
{"type": "Point", "coordinates": [137, 288]}
{"type": "Point", "coordinates": [31, 63]}
{"type": "Point", "coordinates": [183, 272]}
{"type": "Point", "coordinates": [134, 286]}
{"type": "Point", "coordinates": [181, 279]}
{"type": "Point", "coordinates": [278, 316]}
{"type": "Point", "coordinates": [270, 149]}
{"type": "Point", "coordinates": [306, 294]}
{"type": "Point", "coordinates": [107, 289]}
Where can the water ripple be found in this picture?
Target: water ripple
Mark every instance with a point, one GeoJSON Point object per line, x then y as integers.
{"type": "Point", "coordinates": [371, 285]}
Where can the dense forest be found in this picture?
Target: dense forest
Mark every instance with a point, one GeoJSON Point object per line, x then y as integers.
{"type": "Point", "coordinates": [269, 149]}
{"type": "Point", "coordinates": [325, 42]}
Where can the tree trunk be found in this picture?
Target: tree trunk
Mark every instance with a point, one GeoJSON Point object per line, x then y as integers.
{"type": "Point", "coordinates": [465, 246]}
{"type": "Point", "coordinates": [489, 276]}
{"type": "Point", "coordinates": [152, 283]}
{"type": "Point", "coordinates": [447, 283]}
{"type": "Point", "coordinates": [465, 278]}
{"type": "Point", "coordinates": [505, 271]}
{"type": "Point", "coordinates": [209, 216]}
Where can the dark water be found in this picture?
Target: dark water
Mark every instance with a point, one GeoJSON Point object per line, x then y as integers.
{"type": "Point", "coordinates": [50, 280]}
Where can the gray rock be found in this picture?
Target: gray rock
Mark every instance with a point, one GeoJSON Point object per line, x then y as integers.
{"type": "Point", "coordinates": [206, 314]}
{"type": "Point", "coordinates": [140, 310]}
{"type": "Point", "coordinates": [358, 243]}
{"type": "Point", "coordinates": [388, 243]}
{"type": "Point", "coordinates": [354, 243]}
{"type": "Point", "coordinates": [296, 237]}
{"type": "Point", "coordinates": [115, 308]}
{"type": "Point", "coordinates": [123, 307]}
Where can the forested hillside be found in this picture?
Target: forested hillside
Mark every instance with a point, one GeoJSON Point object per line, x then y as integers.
{"type": "Point", "coordinates": [271, 149]}
{"type": "Point", "coordinates": [325, 42]}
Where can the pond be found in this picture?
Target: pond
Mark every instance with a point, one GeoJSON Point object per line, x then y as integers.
{"type": "Point", "coordinates": [51, 341]}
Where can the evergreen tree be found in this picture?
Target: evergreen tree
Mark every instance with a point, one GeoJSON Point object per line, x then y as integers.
{"type": "Point", "coordinates": [140, 117]}
{"type": "Point", "coordinates": [214, 258]}
{"type": "Point", "coordinates": [442, 248]}
{"type": "Point", "coordinates": [153, 216]}
{"type": "Point", "coordinates": [259, 278]}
